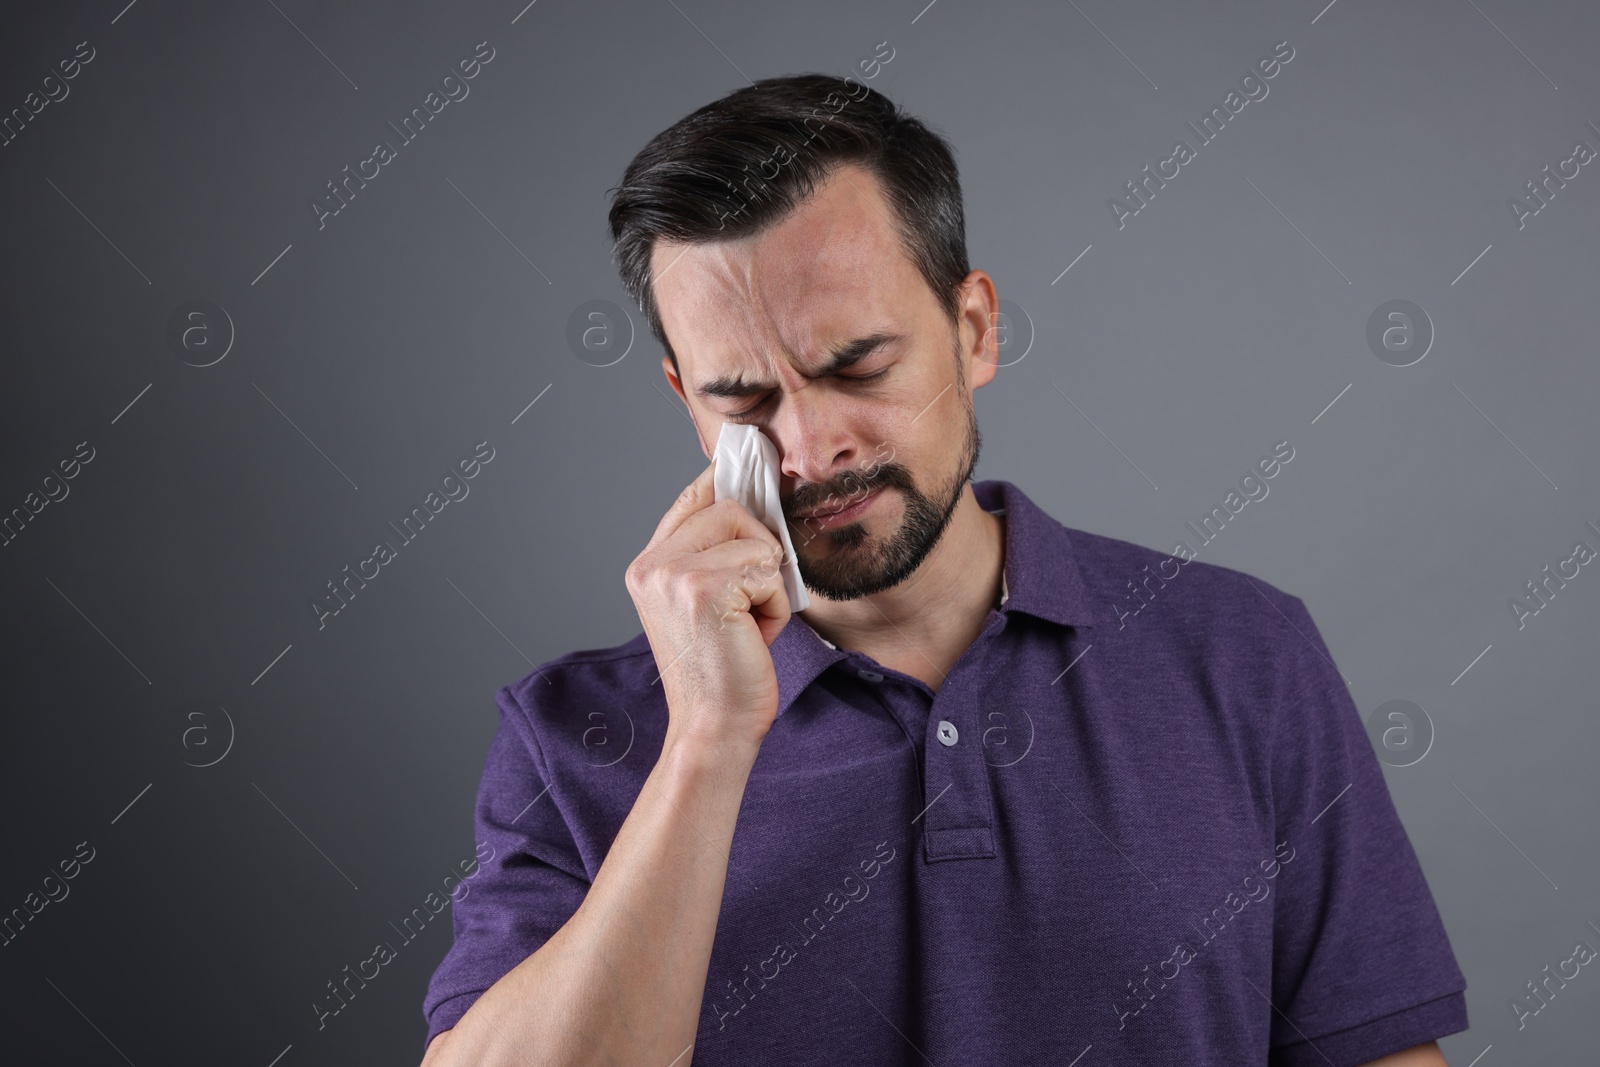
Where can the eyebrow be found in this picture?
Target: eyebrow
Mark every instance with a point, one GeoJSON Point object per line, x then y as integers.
{"type": "Point", "coordinates": [841, 357]}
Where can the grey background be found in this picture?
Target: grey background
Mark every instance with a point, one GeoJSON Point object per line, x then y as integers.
{"type": "Point", "coordinates": [426, 316]}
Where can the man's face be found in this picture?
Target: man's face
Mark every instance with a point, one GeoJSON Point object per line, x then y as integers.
{"type": "Point", "coordinates": [758, 324]}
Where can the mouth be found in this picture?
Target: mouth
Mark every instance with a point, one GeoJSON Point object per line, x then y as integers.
{"type": "Point", "coordinates": [825, 517]}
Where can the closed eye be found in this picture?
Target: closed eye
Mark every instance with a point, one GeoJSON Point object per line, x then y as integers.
{"type": "Point", "coordinates": [860, 379]}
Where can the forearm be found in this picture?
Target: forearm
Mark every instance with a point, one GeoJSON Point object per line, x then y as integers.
{"type": "Point", "coordinates": [622, 981]}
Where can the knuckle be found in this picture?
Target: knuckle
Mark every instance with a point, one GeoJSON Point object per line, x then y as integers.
{"type": "Point", "coordinates": [656, 581]}
{"type": "Point", "coordinates": [672, 574]}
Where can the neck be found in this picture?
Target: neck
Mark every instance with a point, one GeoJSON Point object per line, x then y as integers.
{"type": "Point", "coordinates": [923, 624]}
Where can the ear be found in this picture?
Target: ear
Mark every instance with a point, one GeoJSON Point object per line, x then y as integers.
{"type": "Point", "coordinates": [979, 322]}
{"type": "Point", "coordinates": [677, 387]}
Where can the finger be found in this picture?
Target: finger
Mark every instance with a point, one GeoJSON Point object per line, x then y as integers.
{"type": "Point", "coordinates": [724, 520]}
{"type": "Point", "coordinates": [739, 558]}
{"type": "Point", "coordinates": [748, 577]}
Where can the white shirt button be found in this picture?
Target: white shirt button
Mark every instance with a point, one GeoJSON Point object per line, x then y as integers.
{"type": "Point", "coordinates": [947, 733]}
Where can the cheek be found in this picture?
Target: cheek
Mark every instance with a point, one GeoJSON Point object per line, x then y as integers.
{"type": "Point", "coordinates": [916, 421]}
{"type": "Point", "coordinates": [925, 415]}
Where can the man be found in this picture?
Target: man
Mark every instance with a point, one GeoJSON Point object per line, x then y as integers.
{"type": "Point", "coordinates": [976, 804]}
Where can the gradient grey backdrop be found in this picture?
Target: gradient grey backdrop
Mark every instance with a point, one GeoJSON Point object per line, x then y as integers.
{"type": "Point", "coordinates": [368, 356]}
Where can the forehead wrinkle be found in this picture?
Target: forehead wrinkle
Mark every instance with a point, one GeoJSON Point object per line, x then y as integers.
{"type": "Point", "coordinates": [740, 289]}
{"type": "Point", "coordinates": [761, 340]}
{"type": "Point", "coordinates": [845, 251]}
{"type": "Point", "coordinates": [714, 288]}
{"type": "Point", "coordinates": [762, 319]}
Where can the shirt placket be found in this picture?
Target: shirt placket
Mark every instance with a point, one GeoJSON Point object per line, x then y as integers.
{"type": "Point", "coordinates": [957, 820]}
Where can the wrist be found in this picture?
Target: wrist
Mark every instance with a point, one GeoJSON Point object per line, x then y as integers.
{"type": "Point", "coordinates": [696, 749]}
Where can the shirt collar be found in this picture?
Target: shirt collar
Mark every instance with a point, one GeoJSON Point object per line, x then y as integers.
{"type": "Point", "coordinates": [1039, 552]}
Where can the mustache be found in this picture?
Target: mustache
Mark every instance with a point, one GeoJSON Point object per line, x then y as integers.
{"type": "Point", "coordinates": [851, 488]}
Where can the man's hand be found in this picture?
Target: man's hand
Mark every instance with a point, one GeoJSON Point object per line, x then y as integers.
{"type": "Point", "coordinates": [711, 599]}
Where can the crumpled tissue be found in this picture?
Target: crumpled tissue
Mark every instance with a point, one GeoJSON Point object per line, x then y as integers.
{"type": "Point", "coordinates": [747, 471]}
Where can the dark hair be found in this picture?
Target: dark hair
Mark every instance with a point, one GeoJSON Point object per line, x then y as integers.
{"type": "Point", "coordinates": [710, 176]}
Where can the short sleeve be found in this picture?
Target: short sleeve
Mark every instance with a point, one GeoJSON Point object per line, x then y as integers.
{"type": "Point", "coordinates": [1361, 964]}
{"type": "Point", "coordinates": [526, 889]}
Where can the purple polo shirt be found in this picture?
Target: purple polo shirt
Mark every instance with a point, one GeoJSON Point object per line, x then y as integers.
{"type": "Point", "coordinates": [1117, 834]}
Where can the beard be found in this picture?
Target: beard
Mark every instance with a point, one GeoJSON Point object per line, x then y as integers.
{"type": "Point", "coordinates": [857, 563]}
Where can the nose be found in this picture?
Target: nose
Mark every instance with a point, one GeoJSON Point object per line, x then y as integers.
{"type": "Point", "coordinates": [814, 440]}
